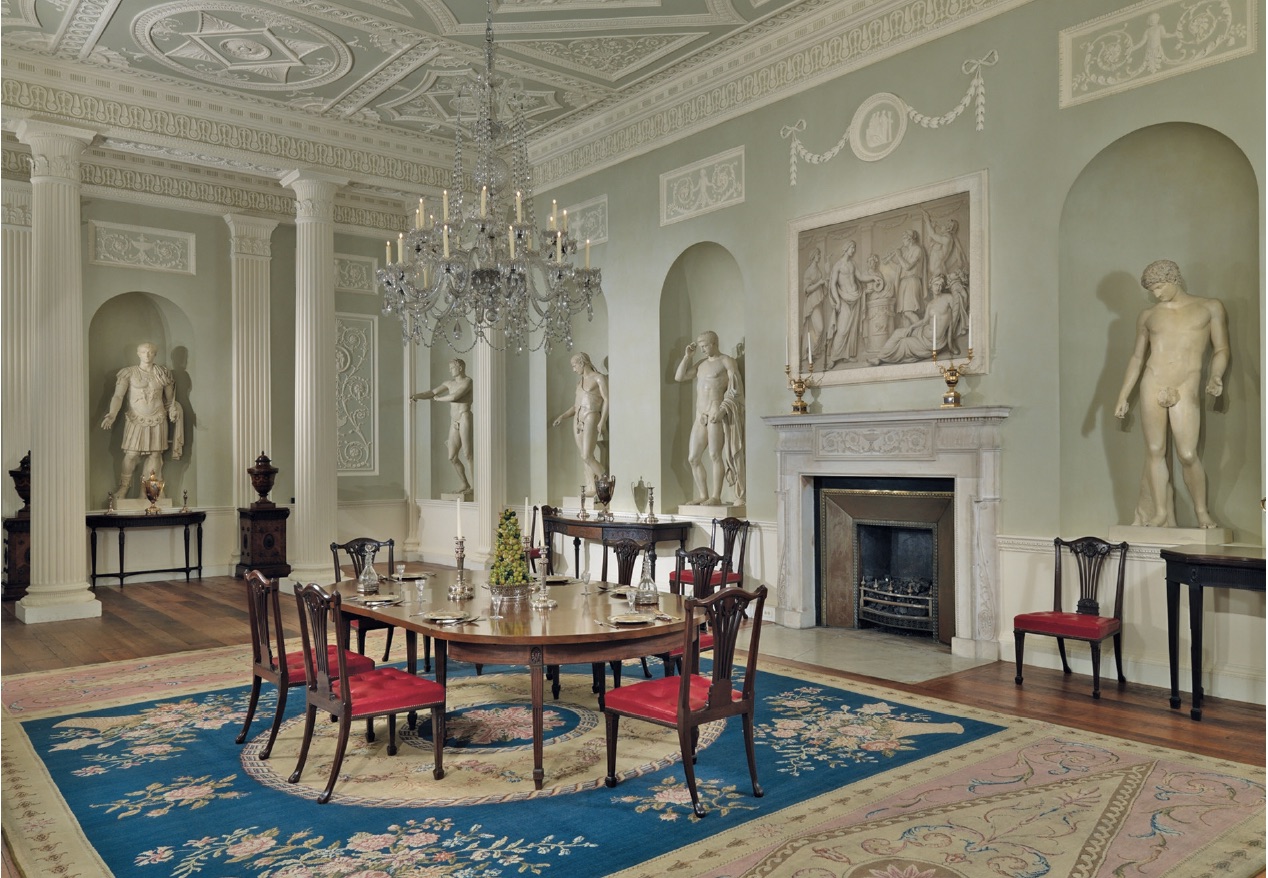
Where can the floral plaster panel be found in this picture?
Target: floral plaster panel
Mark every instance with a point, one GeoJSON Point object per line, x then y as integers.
{"type": "Point", "coordinates": [588, 221]}
{"type": "Point", "coordinates": [355, 274]}
{"type": "Point", "coordinates": [706, 186]}
{"type": "Point", "coordinates": [356, 394]}
{"type": "Point", "coordinates": [1151, 41]}
{"type": "Point", "coordinates": [140, 247]}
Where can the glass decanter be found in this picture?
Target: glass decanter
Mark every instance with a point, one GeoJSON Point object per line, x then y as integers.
{"type": "Point", "coordinates": [646, 594]}
{"type": "Point", "coordinates": [368, 578]}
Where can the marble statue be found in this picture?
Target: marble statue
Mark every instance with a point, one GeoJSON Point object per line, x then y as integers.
{"type": "Point", "coordinates": [718, 425]}
{"type": "Point", "coordinates": [589, 413]}
{"type": "Point", "coordinates": [150, 392]}
{"type": "Point", "coordinates": [457, 392]}
{"type": "Point", "coordinates": [1171, 341]}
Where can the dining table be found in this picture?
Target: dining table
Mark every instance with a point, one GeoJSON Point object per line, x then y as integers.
{"type": "Point", "coordinates": [587, 624]}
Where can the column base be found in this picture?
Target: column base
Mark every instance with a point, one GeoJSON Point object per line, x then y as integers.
{"type": "Point", "coordinates": [57, 612]}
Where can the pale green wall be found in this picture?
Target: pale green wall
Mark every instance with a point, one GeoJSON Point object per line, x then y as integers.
{"type": "Point", "coordinates": [1033, 152]}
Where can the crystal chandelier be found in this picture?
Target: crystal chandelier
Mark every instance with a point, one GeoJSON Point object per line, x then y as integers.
{"type": "Point", "coordinates": [480, 271]}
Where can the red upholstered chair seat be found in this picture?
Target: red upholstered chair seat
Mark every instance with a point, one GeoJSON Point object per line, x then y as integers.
{"type": "Point", "coordinates": [1080, 626]}
{"type": "Point", "coordinates": [357, 664]}
{"type": "Point", "coordinates": [657, 699]}
{"type": "Point", "coordinates": [715, 580]}
{"type": "Point", "coordinates": [383, 689]}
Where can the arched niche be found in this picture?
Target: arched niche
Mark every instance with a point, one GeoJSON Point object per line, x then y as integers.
{"type": "Point", "coordinates": [703, 290]}
{"type": "Point", "coordinates": [565, 473]}
{"type": "Point", "coordinates": [1174, 191]}
{"type": "Point", "coordinates": [114, 332]}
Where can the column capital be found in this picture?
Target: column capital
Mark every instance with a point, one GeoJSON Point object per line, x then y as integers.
{"type": "Point", "coordinates": [250, 235]}
{"type": "Point", "coordinates": [55, 148]}
{"type": "Point", "coordinates": [314, 193]}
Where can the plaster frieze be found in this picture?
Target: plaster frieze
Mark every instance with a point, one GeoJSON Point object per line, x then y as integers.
{"type": "Point", "coordinates": [356, 394]}
{"type": "Point", "coordinates": [909, 442]}
{"type": "Point", "coordinates": [115, 244]}
{"type": "Point", "coordinates": [588, 220]}
{"type": "Point", "coordinates": [355, 274]}
{"type": "Point", "coordinates": [702, 187]}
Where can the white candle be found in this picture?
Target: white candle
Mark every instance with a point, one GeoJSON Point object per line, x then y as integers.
{"type": "Point", "coordinates": [510, 236]}
{"type": "Point", "coordinates": [524, 523]}
{"type": "Point", "coordinates": [400, 247]}
{"type": "Point", "coordinates": [484, 200]}
{"type": "Point", "coordinates": [418, 216]}
{"type": "Point", "coordinates": [458, 508]}
{"type": "Point", "coordinates": [565, 220]}
{"type": "Point", "coordinates": [559, 247]}
{"type": "Point", "coordinates": [810, 354]}
{"type": "Point", "coordinates": [554, 212]}
{"type": "Point", "coordinates": [445, 211]}
{"type": "Point", "coordinates": [446, 240]}
{"type": "Point", "coordinates": [388, 256]}
{"type": "Point", "coordinates": [970, 333]}
{"type": "Point", "coordinates": [933, 342]}
{"type": "Point", "coordinates": [519, 214]}
{"type": "Point", "coordinates": [587, 252]}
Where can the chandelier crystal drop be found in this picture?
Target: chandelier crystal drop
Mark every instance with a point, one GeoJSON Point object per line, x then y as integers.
{"type": "Point", "coordinates": [479, 271]}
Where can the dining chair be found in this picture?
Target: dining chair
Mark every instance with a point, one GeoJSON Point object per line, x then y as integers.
{"type": "Point", "coordinates": [734, 535]}
{"type": "Point", "coordinates": [353, 549]}
{"type": "Point", "coordinates": [689, 701]}
{"type": "Point", "coordinates": [382, 691]}
{"type": "Point", "coordinates": [627, 552]}
{"type": "Point", "coordinates": [269, 658]}
{"type": "Point", "coordinates": [699, 565]}
{"type": "Point", "coordinates": [1086, 622]}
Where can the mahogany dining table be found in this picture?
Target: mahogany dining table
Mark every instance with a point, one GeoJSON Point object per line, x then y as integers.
{"type": "Point", "coordinates": [576, 631]}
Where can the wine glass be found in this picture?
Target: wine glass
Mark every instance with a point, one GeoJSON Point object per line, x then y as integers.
{"type": "Point", "coordinates": [585, 581]}
{"type": "Point", "coordinates": [495, 603]}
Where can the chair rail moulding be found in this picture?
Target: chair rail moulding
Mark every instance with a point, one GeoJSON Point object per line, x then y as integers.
{"type": "Point", "coordinates": [959, 444]}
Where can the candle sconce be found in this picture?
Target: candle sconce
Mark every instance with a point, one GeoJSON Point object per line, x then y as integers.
{"type": "Point", "coordinates": [951, 375]}
{"type": "Point", "coordinates": [799, 385]}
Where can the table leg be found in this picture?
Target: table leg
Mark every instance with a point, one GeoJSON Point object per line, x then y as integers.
{"type": "Point", "coordinates": [576, 560]}
{"type": "Point", "coordinates": [121, 568]}
{"type": "Point", "coordinates": [442, 653]}
{"type": "Point", "coordinates": [537, 671]}
{"type": "Point", "coordinates": [411, 665]}
{"type": "Point", "coordinates": [92, 550]}
{"type": "Point", "coordinates": [1173, 640]}
{"type": "Point", "coordinates": [200, 550]}
{"type": "Point", "coordinates": [1195, 651]}
{"type": "Point", "coordinates": [187, 553]}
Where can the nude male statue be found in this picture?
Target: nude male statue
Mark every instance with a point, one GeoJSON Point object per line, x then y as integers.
{"type": "Point", "coordinates": [457, 392]}
{"type": "Point", "coordinates": [150, 390]}
{"type": "Point", "coordinates": [718, 426]}
{"type": "Point", "coordinates": [1175, 332]}
{"type": "Point", "coordinates": [590, 413]}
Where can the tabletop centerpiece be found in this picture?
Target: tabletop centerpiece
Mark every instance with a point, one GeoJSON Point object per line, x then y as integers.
{"type": "Point", "coordinates": [508, 574]}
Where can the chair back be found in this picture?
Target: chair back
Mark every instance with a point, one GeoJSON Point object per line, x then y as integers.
{"type": "Point", "coordinates": [722, 614]}
{"type": "Point", "coordinates": [355, 548]}
{"type": "Point", "coordinates": [320, 622]}
{"type": "Point", "coordinates": [734, 534]}
{"type": "Point", "coordinates": [1090, 555]}
{"type": "Point", "coordinates": [627, 552]}
{"type": "Point", "coordinates": [264, 615]}
{"type": "Point", "coordinates": [703, 561]}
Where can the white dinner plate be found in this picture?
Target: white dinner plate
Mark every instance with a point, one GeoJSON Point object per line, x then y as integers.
{"type": "Point", "coordinates": [632, 618]}
{"type": "Point", "coordinates": [410, 577]}
{"type": "Point", "coordinates": [445, 616]}
{"type": "Point", "coordinates": [621, 593]}
{"type": "Point", "coordinates": [558, 580]}
{"type": "Point", "coordinates": [380, 600]}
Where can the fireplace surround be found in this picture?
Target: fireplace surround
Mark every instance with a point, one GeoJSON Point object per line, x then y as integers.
{"type": "Point", "coordinates": [963, 445]}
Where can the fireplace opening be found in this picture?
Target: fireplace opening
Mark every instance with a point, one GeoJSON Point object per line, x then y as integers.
{"type": "Point", "coordinates": [885, 554]}
{"type": "Point", "coordinates": [895, 581]}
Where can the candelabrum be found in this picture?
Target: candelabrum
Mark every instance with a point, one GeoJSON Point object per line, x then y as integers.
{"type": "Point", "coordinates": [184, 501]}
{"type": "Point", "coordinates": [651, 505]}
{"type": "Point", "coordinates": [460, 555]}
{"type": "Point", "coordinates": [583, 515]}
{"type": "Point", "coordinates": [110, 503]}
{"type": "Point", "coordinates": [460, 588]}
{"type": "Point", "coordinates": [799, 385]}
{"type": "Point", "coordinates": [951, 375]}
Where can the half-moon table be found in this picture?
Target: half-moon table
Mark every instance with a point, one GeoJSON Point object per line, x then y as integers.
{"type": "Point", "coordinates": [573, 632]}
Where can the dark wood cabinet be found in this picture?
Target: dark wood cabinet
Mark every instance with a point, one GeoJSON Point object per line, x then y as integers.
{"type": "Point", "coordinates": [262, 541]}
{"type": "Point", "coordinates": [17, 557]}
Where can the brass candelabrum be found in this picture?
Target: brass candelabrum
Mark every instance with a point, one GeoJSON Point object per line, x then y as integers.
{"type": "Point", "coordinates": [951, 375]}
{"type": "Point", "coordinates": [799, 385]}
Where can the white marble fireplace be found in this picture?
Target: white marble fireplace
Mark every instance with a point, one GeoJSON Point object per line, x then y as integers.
{"type": "Point", "coordinates": [960, 444]}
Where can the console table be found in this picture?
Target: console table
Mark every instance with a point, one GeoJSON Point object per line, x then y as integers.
{"type": "Point", "coordinates": [124, 522]}
{"type": "Point", "coordinates": [1201, 567]}
{"type": "Point", "coordinates": [620, 529]}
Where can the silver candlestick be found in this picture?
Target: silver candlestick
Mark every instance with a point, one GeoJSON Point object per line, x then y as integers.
{"type": "Point", "coordinates": [583, 515]}
{"type": "Point", "coordinates": [651, 505]}
{"type": "Point", "coordinates": [459, 555]}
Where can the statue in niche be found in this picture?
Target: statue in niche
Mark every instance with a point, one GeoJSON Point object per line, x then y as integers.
{"type": "Point", "coordinates": [1171, 341]}
{"type": "Point", "coordinates": [457, 392]}
{"type": "Point", "coordinates": [150, 392]}
{"type": "Point", "coordinates": [589, 413]}
{"type": "Point", "coordinates": [718, 426]}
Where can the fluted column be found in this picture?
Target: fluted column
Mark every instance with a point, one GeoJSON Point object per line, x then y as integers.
{"type": "Point", "coordinates": [314, 522]}
{"type": "Point", "coordinates": [58, 380]}
{"type": "Point", "coordinates": [15, 346]}
{"type": "Point", "coordinates": [250, 256]}
{"type": "Point", "coordinates": [489, 443]}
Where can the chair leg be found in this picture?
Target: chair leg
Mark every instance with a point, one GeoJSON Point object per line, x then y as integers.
{"type": "Point", "coordinates": [277, 722]}
{"type": "Point", "coordinates": [752, 755]}
{"type": "Point", "coordinates": [611, 721]}
{"type": "Point", "coordinates": [361, 639]}
{"type": "Point", "coordinates": [646, 672]}
{"type": "Point", "coordinates": [668, 661]}
{"type": "Point", "coordinates": [388, 649]}
{"type": "Point", "coordinates": [689, 757]}
{"type": "Point", "coordinates": [345, 729]}
{"type": "Point", "coordinates": [597, 675]}
{"type": "Point", "coordinates": [1019, 646]}
{"type": "Point", "coordinates": [1065, 665]}
{"type": "Point", "coordinates": [255, 696]}
{"type": "Point", "coordinates": [616, 675]}
{"type": "Point", "coordinates": [391, 734]}
{"type": "Point", "coordinates": [438, 740]}
{"type": "Point", "coordinates": [1118, 656]}
{"type": "Point", "coordinates": [426, 654]}
{"type": "Point", "coordinates": [369, 730]}
{"type": "Point", "coordinates": [1096, 670]}
{"type": "Point", "coordinates": [310, 718]}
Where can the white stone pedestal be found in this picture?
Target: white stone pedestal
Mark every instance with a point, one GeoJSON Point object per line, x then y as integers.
{"type": "Point", "coordinates": [1170, 536]}
{"type": "Point", "coordinates": [453, 495]}
{"type": "Point", "coordinates": [694, 510]}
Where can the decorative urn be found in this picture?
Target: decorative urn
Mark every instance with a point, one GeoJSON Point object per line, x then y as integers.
{"type": "Point", "coordinates": [262, 476]}
{"type": "Point", "coordinates": [22, 484]}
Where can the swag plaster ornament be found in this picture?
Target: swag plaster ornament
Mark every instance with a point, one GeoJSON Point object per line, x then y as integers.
{"type": "Point", "coordinates": [880, 122]}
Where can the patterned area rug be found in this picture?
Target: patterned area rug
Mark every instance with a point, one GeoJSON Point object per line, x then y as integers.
{"type": "Point", "coordinates": [131, 769]}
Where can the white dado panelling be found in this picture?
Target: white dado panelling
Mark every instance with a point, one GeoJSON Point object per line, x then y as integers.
{"type": "Point", "coordinates": [1233, 639]}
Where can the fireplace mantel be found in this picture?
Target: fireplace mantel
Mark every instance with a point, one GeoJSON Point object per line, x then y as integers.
{"type": "Point", "coordinates": [961, 444]}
